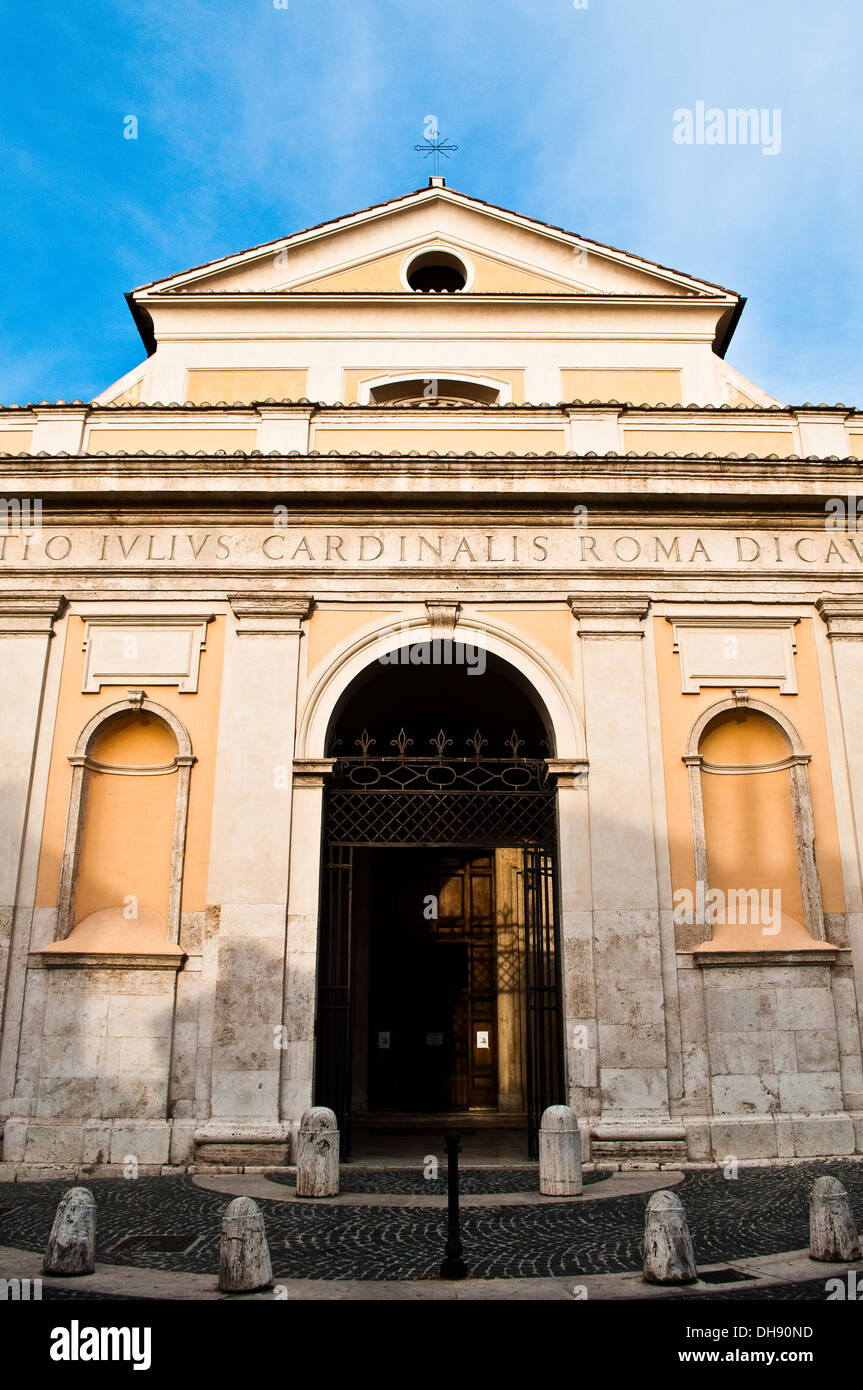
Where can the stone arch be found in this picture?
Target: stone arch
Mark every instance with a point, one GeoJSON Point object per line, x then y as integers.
{"type": "Point", "coordinates": [549, 685]}
{"type": "Point", "coordinates": [792, 738]}
{"type": "Point", "coordinates": [104, 716]}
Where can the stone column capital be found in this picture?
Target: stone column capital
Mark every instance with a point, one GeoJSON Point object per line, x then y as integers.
{"type": "Point", "coordinates": [313, 772]}
{"type": "Point", "coordinates": [24, 615]}
{"type": "Point", "coordinates": [607, 616]}
{"type": "Point", "coordinates": [267, 614]}
{"type": "Point", "coordinates": [570, 773]}
{"type": "Point", "coordinates": [843, 616]}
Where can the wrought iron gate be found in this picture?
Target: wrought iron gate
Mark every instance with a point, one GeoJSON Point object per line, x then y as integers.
{"type": "Point", "coordinates": [542, 958]}
{"type": "Point", "coordinates": [439, 800]}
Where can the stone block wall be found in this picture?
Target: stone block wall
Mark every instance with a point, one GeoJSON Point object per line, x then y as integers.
{"type": "Point", "coordinates": [782, 1054]}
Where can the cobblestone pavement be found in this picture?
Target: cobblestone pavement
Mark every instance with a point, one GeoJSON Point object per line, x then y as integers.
{"type": "Point", "coordinates": [762, 1211]}
{"type": "Point", "coordinates": [410, 1182]}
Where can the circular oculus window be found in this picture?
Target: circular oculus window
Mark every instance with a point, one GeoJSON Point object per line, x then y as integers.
{"type": "Point", "coordinates": [439, 271]}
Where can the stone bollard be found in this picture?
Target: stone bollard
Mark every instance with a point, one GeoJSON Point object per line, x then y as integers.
{"type": "Point", "coordinates": [318, 1154]}
{"type": "Point", "coordinates": [559, 1153]}
{"type": "Point", "coordinates": [244, 1256]}
{"type": "Point", "coordinates": [832, 1231]}
{"type": "Point", "coordinates": [72, 1242]}
{"type": "Point", "coordinates": [668, 1254]}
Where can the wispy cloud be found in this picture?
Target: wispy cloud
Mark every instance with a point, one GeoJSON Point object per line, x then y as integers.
{"type": "Point", "coordinates": [255, 120]}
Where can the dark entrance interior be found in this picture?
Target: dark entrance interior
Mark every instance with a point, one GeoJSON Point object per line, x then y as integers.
{"type": "Point", "coordinates": [438, 976]}
{"type": "Point", "coordinates": [432, 982]}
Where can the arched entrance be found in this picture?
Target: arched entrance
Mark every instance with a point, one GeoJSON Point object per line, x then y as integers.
{"type": "Point", "coordinates": [439, 965]}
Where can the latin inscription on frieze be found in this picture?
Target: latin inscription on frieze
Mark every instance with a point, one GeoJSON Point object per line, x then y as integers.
{"type": "Point", "coordinates": [571, 548]}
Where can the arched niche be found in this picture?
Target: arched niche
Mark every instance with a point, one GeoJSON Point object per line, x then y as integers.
{"type": "Point", "coordinates": [752, 820]}
{"type": "Point", "coordinates": [122, 757]}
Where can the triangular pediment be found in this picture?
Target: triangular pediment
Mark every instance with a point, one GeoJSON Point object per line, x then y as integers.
{"type": "Point", "coordinates": [368, 252]}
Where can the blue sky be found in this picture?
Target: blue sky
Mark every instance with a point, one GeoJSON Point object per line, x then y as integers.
{"type": "Point", "coordinates": [254, 121]}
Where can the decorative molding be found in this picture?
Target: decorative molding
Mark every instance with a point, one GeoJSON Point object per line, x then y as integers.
{"type": "Point", "coordinates": [604, 617]}
{"type": "Point", "coordinates": [270, 615]}
{"type": "Point", "coordinates": [705, 959]}
{"type": "Point", "coordinates": [843, 616]}
{"type": "Point", "coordinates": [793, 741]}
{"type": "Point", "coordinates": [764, 650]}
{"type": "Point", "coordinates": [105, 960]}
{"type": "Point", "coordinates": [442, 618]}
{"type": "Point", "coordinates": [752, 769]}
{"type": "Point", "coordinates": [26, 615]}
{"type": "Point", "coordinates": [571, 773]}
{"type": "Point", "coordinates": [167, 650]}
{"type": "Point", "coordinates": [313, 772]}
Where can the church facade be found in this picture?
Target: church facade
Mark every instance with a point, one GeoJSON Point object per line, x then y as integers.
{"type": "Point", "coordinates": [432, 686]}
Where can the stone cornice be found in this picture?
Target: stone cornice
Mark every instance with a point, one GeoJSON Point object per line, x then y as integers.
{"type": "Point", "coordinates": [843, 616]}
{"type": "Point", "coordinates": [106, 960]}
{"type": "Point", "coordinates": [313, 772]}
{"type": "Point", "coordinates": [22, 615]}
{"type": "Point", "coordinates": [268, 614]}
{"type": "Point", "coordinates": [602, 617]}
{"type": "Point", "coordinates": [569, 773]}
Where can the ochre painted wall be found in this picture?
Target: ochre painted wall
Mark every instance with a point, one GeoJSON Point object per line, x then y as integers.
{"type": "Point", "coordinates": [198, 712]}
{"type": "Point", "coordinates": [246, 384]}
{"type": "Point", "coordinates": [678, 713]}
{"type": "Point", "coordinates": [551, 628]}
{"type": "Point", "coordinates": [15, 441]}
{"type": "Point", "coordinates": [749, 829]}
{"type": "Point", "coordinates": [189, 441]}
{"type": "Point", "coordinates": [479, 441]}
{"type": "Point", "coordinates": [328, 627]}
{"type": "Point", "coordinates": [490, 277]}
{"type": "Point", "coordinates": [759, 442]}
{"type": "Point", "coordinates": [640, 387]}
{"type": "Point", "coordinates": [129, 819]}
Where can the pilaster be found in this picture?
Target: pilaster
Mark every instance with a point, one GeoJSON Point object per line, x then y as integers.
{"type": "Point", "coordinates": [26, 628]}
{"type": "Point", "coordinates": [633, 1073]}
{"type": "Point", "coordinates": [253, 845]}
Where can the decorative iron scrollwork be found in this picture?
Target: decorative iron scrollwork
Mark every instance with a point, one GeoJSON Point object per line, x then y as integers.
{"type": "Point", "coordinates": [402, 743]}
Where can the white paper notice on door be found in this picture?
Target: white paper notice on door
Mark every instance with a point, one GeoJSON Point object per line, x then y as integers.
{"type": "Point", "coordinates": [482, 1039]}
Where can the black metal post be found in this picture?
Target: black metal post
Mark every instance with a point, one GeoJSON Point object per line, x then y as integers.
{"type": "Point", "coordinates": [453, 1266]}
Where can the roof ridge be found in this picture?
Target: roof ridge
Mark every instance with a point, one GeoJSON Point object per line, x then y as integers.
{"type": "Point", "coordinates": [432, 193]}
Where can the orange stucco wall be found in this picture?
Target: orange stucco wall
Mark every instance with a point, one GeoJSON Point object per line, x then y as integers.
{"type": "Point", "coordinates": [198, 712]}
{"type": "Point", "coordinates": [129, 820]}
{"type": "Point", "coordinates": [479, 441]}
{"type": "Point", "coordinates": [749, 829]}
{"type": "Point", "coordinates": [678, 713]}
{"type": "Point", "coordinates": [188, 441]}
{"type": "Point", "coordinates": [246, 384]}
{"type": "Point", "coordinates": [721, 442]}
{"type": "Point", "coordinates": [641, 387]}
